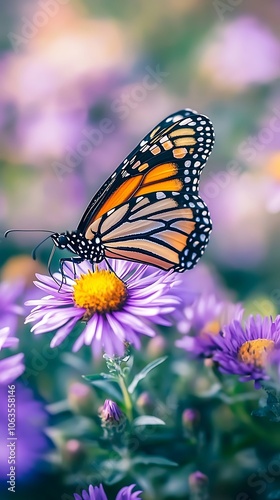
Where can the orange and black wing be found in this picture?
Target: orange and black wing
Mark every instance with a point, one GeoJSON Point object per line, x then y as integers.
{"type": "Point", "coordinates": [149, 209]}
{"type": "Point", "coordinates": [167, 231]}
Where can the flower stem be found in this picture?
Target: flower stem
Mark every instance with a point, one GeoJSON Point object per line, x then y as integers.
{"type": "Point", "coordinates": [126, 397]}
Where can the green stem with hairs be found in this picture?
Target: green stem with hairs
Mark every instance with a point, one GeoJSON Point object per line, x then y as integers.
{"type": "Point", "coordinates": [126, 397]}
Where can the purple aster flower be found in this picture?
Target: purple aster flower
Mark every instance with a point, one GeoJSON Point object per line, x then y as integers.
{"type": "Point", "coordinates": [245, 351]}
{"type": "Point", "coordinates": [117, 306]}
{"type": "Point", "coordinates": [98, 493]}
{"type": "Point", "coordinates": [31, 443]}
{"type": "Point", "coordinates": [9, 310]}
{"type": "Point", "coordinates": [11, 367]}
{"type": "Point", "coordinates": [205, 318]}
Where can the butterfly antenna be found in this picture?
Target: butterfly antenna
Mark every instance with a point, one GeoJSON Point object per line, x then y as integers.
{"type": "Point", "coordinates": [37, 246]}
{"type": "Point", "coordinates": [27, 231]}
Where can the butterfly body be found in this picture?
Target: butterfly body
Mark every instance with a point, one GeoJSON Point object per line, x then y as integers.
{"type": "Point", "coordinates": [149, 210]}
{"type": "Point", "coordinates": [92, 250]}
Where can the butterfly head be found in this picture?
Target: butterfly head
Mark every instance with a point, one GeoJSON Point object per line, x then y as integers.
{"type": "Point", "coordinates": [77, 243]}
{"type": "Point", "coordinates": [61, 240]}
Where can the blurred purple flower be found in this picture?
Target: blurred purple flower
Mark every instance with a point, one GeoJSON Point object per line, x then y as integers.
{"type": "Point", "coordinates": [31, 443]}
{"type": "Point", "coordinates": [230, 61]}
{"type": "Point", "coordinates": [11, 367]}
{"type": "Point", "coordinates": [191, 286]}
{"type": "Point", "coordinates": [245, 351]}
{"type": "Point", "coordinates": [117, 306]}
{"type": "Point", "coordinates": [206, 317]}
{"type": "Point", "coordinates": [98, 493]}
{"type": "Point", "coordinates": [9, 310]}
{"type": "Point", "coordinates": [246, 222]}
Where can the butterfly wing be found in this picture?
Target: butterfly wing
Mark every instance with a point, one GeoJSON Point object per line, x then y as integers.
{"type": "Point", "coordinates": [168, 232]}
{"type": "Point", "coordinates": [149, 209]}
{"type": "Point", "coordinates": [185, 137]}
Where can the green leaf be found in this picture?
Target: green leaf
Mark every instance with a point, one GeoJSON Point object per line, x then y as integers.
{"type": "Point", "coordinates": [272, 409]}
{"type": "Point", "coordinates": [143, 373]}
{"type": "Point", "coordinates": [147, 420]}
{"type": "Point", "coordinates": [151, 459]}
{"type": "Point", "coordinates": [107, 384]}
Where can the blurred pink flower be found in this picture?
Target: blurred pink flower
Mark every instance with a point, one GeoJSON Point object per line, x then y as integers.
{"type": "Point", "coordinates": [241, 53]}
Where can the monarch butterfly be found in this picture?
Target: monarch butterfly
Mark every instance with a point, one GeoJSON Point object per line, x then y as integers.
{"type": "Point", "coordinates": [149, 210]}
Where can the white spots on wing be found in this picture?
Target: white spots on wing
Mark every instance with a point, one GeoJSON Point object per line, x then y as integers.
{"type": "Point", "coordinates": [111, 211]}
{"type": "Point", "coordinates": [160, 195]}
{"type": "Point", "coordinates": [142, 143]}
{"type": "Point", "coordinates": [185, 122]}
{"type": "Point", "coordinates": [174, 119]}
{"type": "Point", "coordinates": [188, 163]}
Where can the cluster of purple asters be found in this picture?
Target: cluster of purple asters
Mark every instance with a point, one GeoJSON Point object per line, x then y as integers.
{"type": "Point", "coordinates": [120, 301]}
{"type": "Point", "coordinates": [215, 330]}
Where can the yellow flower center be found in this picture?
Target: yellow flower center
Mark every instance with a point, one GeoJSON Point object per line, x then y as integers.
{"type": "Point", "coordinates": [211, 328]}
{"type": "Point", "coordinates": [255, 352]}
{"type": "Point", "coordinates": [99, 291]}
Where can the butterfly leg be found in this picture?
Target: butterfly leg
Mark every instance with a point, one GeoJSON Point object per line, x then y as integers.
{"type": "Point", "coordinates": [110, 267]}
{"type": "Point", "coordinates": [73, 260]}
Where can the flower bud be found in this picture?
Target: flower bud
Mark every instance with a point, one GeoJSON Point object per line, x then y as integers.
{"type": "Point", "coordinates": [73, 453]}
{"type": "Point", "coordinates": [111, 416]}
{"type": "Point", "coordinates": [145, 402]}
{"type": "Point", "coordinates": [81, 398]}
{"type": "Point", "coordinates": [198, 484]}
{"type": "Point", "coordinates": [190, 418]}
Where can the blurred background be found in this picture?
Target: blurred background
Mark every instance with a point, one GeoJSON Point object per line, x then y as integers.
{"type": "Point", "coordinates": [74, 70]}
